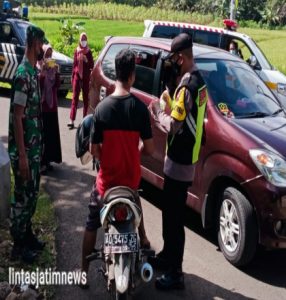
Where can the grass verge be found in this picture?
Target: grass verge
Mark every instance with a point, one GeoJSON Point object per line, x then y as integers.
{"type": "Point", "coordinates": [44, 224]}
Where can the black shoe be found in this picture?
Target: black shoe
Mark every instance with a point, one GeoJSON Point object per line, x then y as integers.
{"type": "Point", "coordinates": [24, 253]}
{"type": "Point", "coordinates": [33, 243]}
{"type": "Point", "coordinates": [71, 125]}
{"type": "Point", "coordinates": [50, 167]}
{"type": "Point", "coordinates": [28, 255]}
{"type": "Point", "coordinates": [158, 262]}
{"type": "Point", "coordinates": [171, 280]}
{"type": "Point", "coordinates": [16, 252]}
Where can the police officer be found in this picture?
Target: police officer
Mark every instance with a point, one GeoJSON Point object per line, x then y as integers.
{"type": "Point", "coordinates": [185, 128]}
{"type": "Point", "coordinates": [25, 147]}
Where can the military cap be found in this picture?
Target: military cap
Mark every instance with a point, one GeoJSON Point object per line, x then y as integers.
{"type": "Point", "coordinates": [35, 33]}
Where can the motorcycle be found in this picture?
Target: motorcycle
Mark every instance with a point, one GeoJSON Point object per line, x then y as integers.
{"type": "Point", "coordinates": [125, 262]}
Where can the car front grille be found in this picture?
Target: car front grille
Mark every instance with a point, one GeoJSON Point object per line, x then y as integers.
{"type": "Point", "coordinates": [66, 69]}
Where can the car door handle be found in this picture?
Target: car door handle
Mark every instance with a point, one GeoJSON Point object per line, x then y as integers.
{"type": "Point", "coordinates": [102, 93]}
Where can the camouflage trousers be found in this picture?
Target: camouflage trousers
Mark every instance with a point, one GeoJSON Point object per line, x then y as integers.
{"type": "Point", "coordinates": [24, 204]}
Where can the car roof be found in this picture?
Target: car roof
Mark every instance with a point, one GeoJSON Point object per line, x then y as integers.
{"type": "Point", "coordinates": [195, 27]}
{"type": "Point", "coordinates": [200, 51]}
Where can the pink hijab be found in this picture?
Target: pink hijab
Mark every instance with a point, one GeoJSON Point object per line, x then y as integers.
{"type": "Point", "coordinates": [80, 52]}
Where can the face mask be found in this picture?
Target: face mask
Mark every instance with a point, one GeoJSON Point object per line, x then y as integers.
{"type": "Point", "coordinates": [234, 52]}
{"type": "Point", "coordinates": [177, 69]}
{"type": "Point", "coordinates": [170, 75]}
{"type": "Point", "coordinates": [83, 43]}
{"type": "Point", "coordinates": [41, 54]}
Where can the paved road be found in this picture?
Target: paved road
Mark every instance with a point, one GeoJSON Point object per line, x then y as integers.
{"type": "Point", "coordinates": [208, 275]}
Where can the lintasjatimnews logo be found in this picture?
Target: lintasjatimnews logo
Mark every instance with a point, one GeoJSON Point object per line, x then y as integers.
{"type": "Point", "coordinates": [46, 277]}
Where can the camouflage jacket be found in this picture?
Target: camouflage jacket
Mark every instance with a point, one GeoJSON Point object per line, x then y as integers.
{"type": "Point", "coordinates": [25, 92]}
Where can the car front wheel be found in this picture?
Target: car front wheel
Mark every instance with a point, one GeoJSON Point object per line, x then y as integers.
{"type": "Point", "coordinates": [237, 227]}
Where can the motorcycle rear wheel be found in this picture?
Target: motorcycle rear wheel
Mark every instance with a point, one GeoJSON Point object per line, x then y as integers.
{"type": "Point", "coordinates": [115, 295]}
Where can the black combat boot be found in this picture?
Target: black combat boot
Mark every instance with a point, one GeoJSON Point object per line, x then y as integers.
{"type": "Point", "coordinates": [32, 242]}
{"type": "Point", "coordinates": [159, 261]}
{"type": "Point", "coordinates": [173, 279]}
{"type": "Point", "coordinates": [20, 251]}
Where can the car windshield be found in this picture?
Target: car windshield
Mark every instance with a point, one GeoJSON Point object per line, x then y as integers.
{"type": "Point", "coordinates": [236, 90]}
{"type": "Point", "coordinates": [22, 28]}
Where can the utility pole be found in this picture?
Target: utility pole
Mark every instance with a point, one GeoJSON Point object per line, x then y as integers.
{"type": "Point", "coordinates": [232, 9]}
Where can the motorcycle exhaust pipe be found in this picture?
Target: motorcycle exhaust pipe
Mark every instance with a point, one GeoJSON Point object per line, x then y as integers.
{"type": "Point", "coordinates": [146, 272]}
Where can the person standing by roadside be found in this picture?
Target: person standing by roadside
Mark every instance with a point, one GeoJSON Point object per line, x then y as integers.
{"type": "Point", "coordinates": [49, 83]}
{"type": "Point", "coordinates": [185, 128]}
{"type": "Point", "coordinates": [82, 65]}
{"type": "Point", "coordinates": [25, 147]}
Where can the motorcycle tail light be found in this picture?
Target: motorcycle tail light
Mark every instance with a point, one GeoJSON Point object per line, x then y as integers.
{"type": "Point", "coordinates": [121, 213]}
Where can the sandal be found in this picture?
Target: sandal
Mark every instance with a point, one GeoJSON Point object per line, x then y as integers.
{"type": "Point", "coordinates": [71, 125]}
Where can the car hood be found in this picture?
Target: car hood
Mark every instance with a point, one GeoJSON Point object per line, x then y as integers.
{"type": "Point", "coordinates": [272, 78]}
{"type": "Point", "coordinates": [61, 58]}
{"type": "Point", "coordinates": [271, 131]}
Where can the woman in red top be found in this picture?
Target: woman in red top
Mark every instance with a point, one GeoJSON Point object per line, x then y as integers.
{"type": "Point", "coordinates": [49, 83]}
{"type": "Point", "coordinates": [82, 66]}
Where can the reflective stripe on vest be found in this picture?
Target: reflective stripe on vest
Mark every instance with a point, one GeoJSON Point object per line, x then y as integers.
{"type": "Point", "coordinates": [184, 146]}
{"type": "Point", "coordinates": [201, 103]}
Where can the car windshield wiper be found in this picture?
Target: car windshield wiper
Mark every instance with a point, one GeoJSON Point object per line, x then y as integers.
{"type": "Point", "coordinates": [260, 91]}
{"type": "Point", "coordinates": [255, 114]}
{"type": "Point", "coordinates": [278, 111]}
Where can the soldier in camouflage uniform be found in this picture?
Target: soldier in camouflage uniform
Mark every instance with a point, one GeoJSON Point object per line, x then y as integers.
{"type": "Point", "coordinates": [25, 147]}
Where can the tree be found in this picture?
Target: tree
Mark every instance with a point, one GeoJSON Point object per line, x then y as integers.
{"type": "Point", "coordinates": [250, 9]}
{"type": "Point", "coordinates": [275, 13]}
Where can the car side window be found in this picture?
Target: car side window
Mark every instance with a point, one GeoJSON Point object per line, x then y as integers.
{"type": "Point", "coordinates": [146, 63]}
{"type": "Point", "coordinates": [108, 62]}
{"type": "Point", "coordinates": [245, 51]}
{"type": "Point", "coordinates": [242, 49]}
{"type": "Point", "coordinates": [162, 31]}
{"type": "Point", "coordinates": [206, 38]}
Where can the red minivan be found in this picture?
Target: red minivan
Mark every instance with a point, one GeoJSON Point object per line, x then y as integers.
{"type": "Point", "coordinates": [240, 181]}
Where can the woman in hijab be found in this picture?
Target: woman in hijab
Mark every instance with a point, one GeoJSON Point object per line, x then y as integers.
{"type": "Point", "coordinates": [82, 65]}
{"type": "Point", "coordinates": [49, 84]}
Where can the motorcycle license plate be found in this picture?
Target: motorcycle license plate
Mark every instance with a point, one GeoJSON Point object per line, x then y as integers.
{"type": "Point", "coordinates": [120, 242]}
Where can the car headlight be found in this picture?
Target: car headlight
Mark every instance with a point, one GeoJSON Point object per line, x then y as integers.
{"type": "Point", "coordinates": [271, 165]}
{"type": "Point", "coordinates": [281, 88]}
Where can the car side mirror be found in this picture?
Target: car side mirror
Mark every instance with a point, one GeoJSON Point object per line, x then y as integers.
{"type": "Point", "coordinates": [14, 41]}
{"type": "Point", "coordinates": [253, 61]}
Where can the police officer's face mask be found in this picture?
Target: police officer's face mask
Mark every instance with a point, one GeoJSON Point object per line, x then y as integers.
{"type": "Point", "coordinates": [176, 66]}
{"type": "Point", "coordinates": [170, 75]}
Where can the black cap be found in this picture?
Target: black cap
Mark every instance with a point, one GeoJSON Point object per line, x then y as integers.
{"type": "Point", "coordinates": [35, 32]}
{"type": "Point", "coordinates": [180, 42]}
